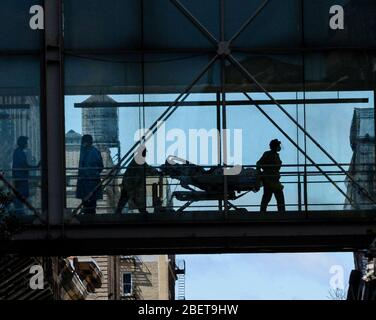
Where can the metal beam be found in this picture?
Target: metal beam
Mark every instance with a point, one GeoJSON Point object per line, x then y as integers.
{"type": "Point", "coordinates": [54, 111]}
{"type": "Point", "coordinates": [204, 232]}
{"type": "Point", "coordinates": [7, 107]}
{"type": "Point", "coordinates": [195, 22]}
{"type": "Point", "coordinates": [87, 52]}
{"type": "Point", "coordinates": [213, 103]}
{"type": "Point", "coordinates": [148, 134]}
{"type": "Point", "coordinates": [299, 148]}
{"type": "Point", "coordinates": [252, 79]}
{"type": "Point", "coordinates": [248, 21]}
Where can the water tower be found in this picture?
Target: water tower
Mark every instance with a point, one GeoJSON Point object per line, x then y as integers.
{"type": "Point", "coordinates": [100, 119]}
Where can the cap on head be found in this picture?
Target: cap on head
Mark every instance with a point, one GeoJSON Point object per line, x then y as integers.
{"type": "Point", "coordinates": [22, 141]}
{"type": "Point", "coordinates": [275, 144]}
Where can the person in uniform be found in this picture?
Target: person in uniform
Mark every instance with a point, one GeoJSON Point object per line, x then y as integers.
{"type": "Point", "coordinates": [133, 186]}
{"type": "Point", "coordinates": [90, 168]}
{"type": "Point", "coordinates": [269, 167]}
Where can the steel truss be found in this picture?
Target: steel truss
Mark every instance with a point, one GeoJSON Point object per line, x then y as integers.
{"type": "Point", "coordinates": [216, 233]}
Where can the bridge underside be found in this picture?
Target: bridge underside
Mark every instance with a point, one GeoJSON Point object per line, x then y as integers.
{"type": "Point", "coordinates": [198, 232]}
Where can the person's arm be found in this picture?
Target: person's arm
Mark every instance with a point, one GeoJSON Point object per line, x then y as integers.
{"type": "Point", "coordinates": [150, 171]}
{"type": "Point", "coordinates": [30, 166]}
{"type": "Point", "coordinates": [34, 167]}
{"type": "Point", "coordinates": [260, 163]}
{"type": "Point", "coordinates": [279, 166]}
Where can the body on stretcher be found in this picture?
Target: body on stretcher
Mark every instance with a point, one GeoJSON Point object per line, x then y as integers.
{"type": "Point", "coordinates": [210, 182]}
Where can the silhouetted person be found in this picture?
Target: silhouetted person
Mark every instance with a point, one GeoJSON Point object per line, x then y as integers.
{"type": "Point", "coordinates": [133, 185]}
{"type": "Point", "coordinates": [21, 173]}
{"type": "Point", "coordinates": [268, 167]}
{"type": "Point", "coordinates": [90, 168]}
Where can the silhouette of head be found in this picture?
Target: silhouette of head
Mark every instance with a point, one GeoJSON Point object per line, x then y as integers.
{"type": "Point", "coordinates": [275, 145]}
{"type": "Point", "coordinates": [22, 142]}
{"type": "Point", "coordinates": [87, 140]}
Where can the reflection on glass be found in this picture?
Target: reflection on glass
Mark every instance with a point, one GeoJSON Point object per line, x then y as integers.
{"type": "Point", "coordinates": [316, 168]}
{"type": "Point", "coordinates": [21, 167]}
{"type": "Point", "coordinates": [336, 127]}
{"type": "Point", "coordinates": [20, 152]}
{"type": "Point", "coordinates": [362, 170]}
{"type": "Point", "coordinates": [89, 170]}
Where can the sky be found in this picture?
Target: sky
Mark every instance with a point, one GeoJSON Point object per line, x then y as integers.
{"type": "Point", "coordinates": [257, 276]}
{"type": "Point", "coordinates": [265, 276]}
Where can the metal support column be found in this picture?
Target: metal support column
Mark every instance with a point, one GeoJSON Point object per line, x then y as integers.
{"type": "Point", "coordinates": [54, 111]}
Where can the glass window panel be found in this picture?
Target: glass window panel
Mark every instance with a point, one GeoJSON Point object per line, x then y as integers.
{"type": "Point", "coordinates": [102, 74]}
{"type": "Point", "coordinates": [257, 132]}
{"type": "Point", "coordinates": [276, 73]}
{"type": "Point", "coordinates": [15, 31]}
{"type": "Point", "coordinates": [359, 23]}
{"type": "Point", "coordinates": [170, 72]}
{"type": "Point", "coordinates": [284, 16]}
{"type": "Point", "coordinates": [207, 12]}
{"type": "Point", "coordinates": [337, 127]}
{"type": "Point", "coordinates": [20, 75]}
{"type": "Point", "coordinates": [127, 283]}
{"type": "Point", "coordinates": [97, 116]}
{"type": "Point", "coordinates": [20, 153]}
{"type": "Point", "coordinates": [166, 27]}
{"type": "Point", "coordinates": [339, 70]}
{"type": "Point", "coordinates": [134, 90]}
{"type": "Point", "coordinates": [98, 24]}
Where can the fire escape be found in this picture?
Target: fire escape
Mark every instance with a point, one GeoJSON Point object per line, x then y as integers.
{"type": "Point", "coordinates": [15, 277]}
{"type": "Point", "coordinates": [180, 278]}
{"type": "Point", "coordinates": [140, 276]}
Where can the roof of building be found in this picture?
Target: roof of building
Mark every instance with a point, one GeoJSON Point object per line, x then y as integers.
{"type": "Point", "coordinates": [99, 98]}
{"type": "Point", "coordinates": [72, 137]}
{"type": "Point", "coordinates": [362, 127]}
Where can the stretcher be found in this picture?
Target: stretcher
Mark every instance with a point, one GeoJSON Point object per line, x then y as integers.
{"type": "Point", "coordinates": [209, 184]}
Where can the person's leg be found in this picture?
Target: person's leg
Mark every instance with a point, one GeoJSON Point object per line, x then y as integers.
{"type": "Point", "coordinates": [279, 196]}
{"type": "Point", "coordinates": [141, 204]}
{"type": "Point", "coordinates": [122, 201]}
{"type": "Point", "coordinates": [85, 207]}
{"type": "Point", "coordinates": [92, 205]}
{"type": "Point", "coordinates": [142, 210]}
{"type": "Point", "coordinates": [18, 207]}
{"type": "Point", "coordinates": [266, 197]}
{"type": "Point", "coordinates": [89, 206]}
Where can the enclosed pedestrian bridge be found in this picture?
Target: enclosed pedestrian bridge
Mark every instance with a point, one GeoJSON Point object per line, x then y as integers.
{"type": "Point", "coordinates": [143, 126]}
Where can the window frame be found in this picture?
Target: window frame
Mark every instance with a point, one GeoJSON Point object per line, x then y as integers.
{"type": "Point", "coordinates": [124, 294]}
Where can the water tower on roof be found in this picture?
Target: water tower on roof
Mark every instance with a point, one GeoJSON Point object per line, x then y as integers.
{"type": "Point", "coordinates": [100, 119]}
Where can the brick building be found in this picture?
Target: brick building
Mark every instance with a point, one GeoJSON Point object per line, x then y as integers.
{"type": "Point", "coordinates": [136, 278]}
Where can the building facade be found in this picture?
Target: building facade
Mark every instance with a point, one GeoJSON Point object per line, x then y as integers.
{"type": "Point", "coordinates": [123, 277]}
{"type": "Point", "coordinates": [362, 140]}
{"type": "Point", "coordinates": [136, 278]}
